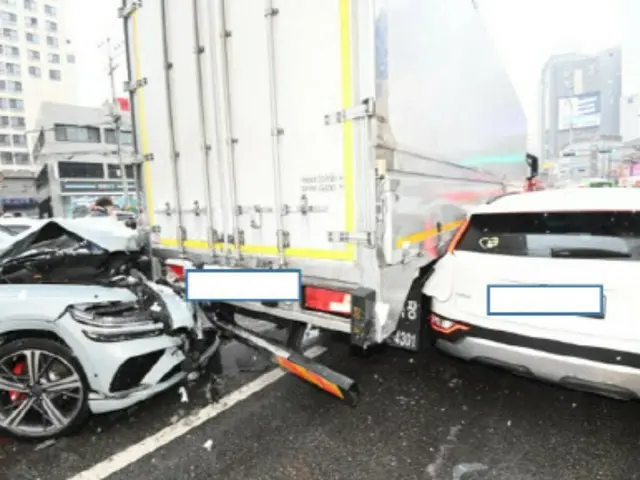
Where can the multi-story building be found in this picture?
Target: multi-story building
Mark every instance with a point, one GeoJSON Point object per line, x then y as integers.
{"type": "Point", "coordinates": [631, 49]}
{"type": "Point", "coordinates": [630, 104]}
{"type": "Point", "coordinates": [76, 154]}
{"type": "Point", "coordinates": [580, 101]}
{"type": "Point", "coordinates": [36, 64]}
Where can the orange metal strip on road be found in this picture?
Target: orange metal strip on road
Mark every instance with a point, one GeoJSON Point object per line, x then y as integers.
{"type": "Point", "coordinates": [310, 377]}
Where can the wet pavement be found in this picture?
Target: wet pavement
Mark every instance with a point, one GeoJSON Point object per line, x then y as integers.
{"type": "Point", "coordinates": [421, 417]}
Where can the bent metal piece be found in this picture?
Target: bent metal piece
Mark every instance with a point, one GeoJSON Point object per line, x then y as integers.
{"type": "Point", "coordinates": [323, 377]}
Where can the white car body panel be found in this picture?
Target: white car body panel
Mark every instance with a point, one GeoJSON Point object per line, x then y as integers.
{"type": "Point", "coordinates": [525, 344]}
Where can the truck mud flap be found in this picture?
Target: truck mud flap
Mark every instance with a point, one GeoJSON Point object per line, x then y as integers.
{"type": "Point", "coordinates": [412, 330]}
{"type": "Point", "coordinates": [332, 382]}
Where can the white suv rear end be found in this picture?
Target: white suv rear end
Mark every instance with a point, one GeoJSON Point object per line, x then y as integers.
{"type": "Point", "coordinates": [547, 238]}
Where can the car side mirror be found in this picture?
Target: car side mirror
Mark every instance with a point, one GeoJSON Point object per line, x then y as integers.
{"type": "Point", "coordinates": [534, 165]}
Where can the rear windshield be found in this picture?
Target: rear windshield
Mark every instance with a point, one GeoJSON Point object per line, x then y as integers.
{"type": "Point", "coordinates": [598, 235]}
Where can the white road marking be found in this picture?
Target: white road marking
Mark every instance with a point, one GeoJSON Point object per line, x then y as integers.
{"type": "Point", "coordinates": [135, 452]}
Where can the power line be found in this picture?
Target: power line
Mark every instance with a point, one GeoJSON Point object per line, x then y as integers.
{"type": "Point", "coordinates": [116, 118]}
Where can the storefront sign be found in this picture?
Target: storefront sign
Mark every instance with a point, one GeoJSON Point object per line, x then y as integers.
{"type": "Point", "coordinates": [80, 187]}
{"type": "Point", "coordinates": [18, 202]}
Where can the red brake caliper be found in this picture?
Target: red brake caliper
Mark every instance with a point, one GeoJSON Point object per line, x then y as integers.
{"type": "Point", "coordinates": [17, 370]}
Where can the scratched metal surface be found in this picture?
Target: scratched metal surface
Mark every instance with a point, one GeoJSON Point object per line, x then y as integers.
{"type": "Point", "coordinates": [427, 417]}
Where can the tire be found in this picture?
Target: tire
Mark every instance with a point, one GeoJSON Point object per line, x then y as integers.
{"type": "Point", "coordinates": [63, 357]}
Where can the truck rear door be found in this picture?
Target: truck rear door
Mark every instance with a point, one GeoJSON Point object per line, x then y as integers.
{"type": "Point", "coordinates": [171, 74]}
{"type": "Point", "coordinates": [241, 116]}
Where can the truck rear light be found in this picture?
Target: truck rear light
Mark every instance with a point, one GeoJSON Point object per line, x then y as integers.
{"type": "Point", "coordinates": [325, 300]}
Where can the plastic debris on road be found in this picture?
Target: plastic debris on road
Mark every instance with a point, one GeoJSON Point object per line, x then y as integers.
{"type": "Point", "coordinates": [43, 445]}
{"type": "Point", "coordinates": [184, 396]}
{"type": "Point", "coordinates": [464, 468]}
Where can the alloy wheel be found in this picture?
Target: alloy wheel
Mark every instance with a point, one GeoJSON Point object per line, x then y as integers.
{"type": "Point", "coordinates": [41, 393]}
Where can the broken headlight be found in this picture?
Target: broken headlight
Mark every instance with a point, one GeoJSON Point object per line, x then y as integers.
{"type": "Point", "coordinates": [115, 321]}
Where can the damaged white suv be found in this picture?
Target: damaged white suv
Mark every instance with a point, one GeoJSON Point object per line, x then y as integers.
{"type": "Point", "coordinates": [547, 238]}
{"type": "Point", "coordinates": [83, 330]}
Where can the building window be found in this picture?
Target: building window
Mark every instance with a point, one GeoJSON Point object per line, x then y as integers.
{"type": "Point", "coordinates": [16, 104]}
{"type": "Point", "coordinates": [4, 121]}
{"type": "Point", "coordinates": [114, 171]}
{"type": "Point", "coordinates": [8, 18]}
{"type": "Point", "coordinates": [32, 38]}
{"type": "Point", "coordinates": [54, 58]}
{"type": "Point", "coordinates": [10, 34]}
{"type": "Point", "coordinates": [8, 3]}
{"type": "Point", "coordinates": [10, 51]}
{"type": "Point", "coordinates": [5, 140]}
{"type": "Point", "coordinates": [74, 133]}
{"type": "Point", "coordinates": [4, 103]}
{"type": "Point", "coordinates": [34, 55]}
{"type": "Point", "coordinates": [126, 137]}
{"type": "Point", "coordinates": [30, 5]}
{"type": "Point", "coordinates": [55, 75]}
{"type": "Point", "coordinates": [71, 58]}
{"type": "Point", "coordinates": [3, 85]}
{"type": "Point", "coordinates": [21, 158]}
{"type": "Point", "coordinates": [18, 122]}
{"type": "Point", "coordinates": [6, 158]}
{"type": "Point", "coordinates": [50, 10]}
{"type": "Point", "coordinates": [13, 86]}
{"type": "Point", "coordinates": [19, 140]}
{"type": "Point", "coordinates": [12, 68]}
{"type": "Point", "coordinates": [30, 22]}
{"type": "Point", "coordinates": [35, 72]}
{"type": "Point", "coordinates": [51, 26]}
{"type": "Point", "coordinates": [52, 41]}
{"type": "Point", "coordinates": [80, 170]}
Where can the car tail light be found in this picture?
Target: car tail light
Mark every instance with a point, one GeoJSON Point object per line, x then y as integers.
{"type": "Point", "coordinates": [175, 269]}
{"type": "Point", "coordinates": [446, 326]}
{"type": "Point", "coordinates": [326, 300]}
{"type": "Point", "coordinates": [458, 236]}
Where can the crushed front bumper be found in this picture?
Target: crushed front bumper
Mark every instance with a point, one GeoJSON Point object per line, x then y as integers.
{"type": "Point", "coordinates": [129, 361]}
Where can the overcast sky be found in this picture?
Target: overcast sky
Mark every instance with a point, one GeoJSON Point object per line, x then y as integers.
{"type": "Point", "coordinates": [526, 32]}
{"type": "Point", "coordinates": [90, 24]}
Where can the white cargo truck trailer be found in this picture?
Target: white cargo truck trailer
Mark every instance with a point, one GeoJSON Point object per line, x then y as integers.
{"type": "Point", "coordinates": [345, 138]}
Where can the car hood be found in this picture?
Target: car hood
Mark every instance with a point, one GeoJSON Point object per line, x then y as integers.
{"type": "Point", "coordinates": [105, 233]}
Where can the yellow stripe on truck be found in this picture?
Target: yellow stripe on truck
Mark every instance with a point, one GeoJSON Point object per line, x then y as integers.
{"type": "Point", "coordinates": [311, 253]}
{"type": "Point", "coordinates": [349, 252]}
{"type": "Point", "coordinates": [142, 119]}
{"type": "Point", "coordinates": [347, 129]}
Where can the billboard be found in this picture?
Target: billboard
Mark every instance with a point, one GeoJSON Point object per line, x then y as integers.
{"type": "Point", "coordinates": [579, 111]}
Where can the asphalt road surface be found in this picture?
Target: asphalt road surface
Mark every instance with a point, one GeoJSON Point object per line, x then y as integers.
{"type": "Point", "coordinates": [421, 417]}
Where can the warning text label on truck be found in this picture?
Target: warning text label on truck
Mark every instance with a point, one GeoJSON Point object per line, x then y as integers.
{"type": "Point", "coordinates": [328, 182]}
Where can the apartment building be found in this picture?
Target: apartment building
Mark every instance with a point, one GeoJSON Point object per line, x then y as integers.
{"type": "Point", "coordinates": [37, 64]}
{"type": "Point", "coordinates": [580, 100]}
{"type": "Point", "coordinates": [76, 155]}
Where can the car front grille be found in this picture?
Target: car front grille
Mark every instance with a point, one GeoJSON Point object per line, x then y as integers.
{"type": "Point", "coordinates": [131, 372]}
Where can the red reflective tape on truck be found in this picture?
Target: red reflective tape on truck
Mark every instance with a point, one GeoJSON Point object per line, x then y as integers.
{"type": "Point", "coordinates": [326, 300]}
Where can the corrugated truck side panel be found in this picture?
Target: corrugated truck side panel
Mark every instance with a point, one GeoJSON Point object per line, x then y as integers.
{"type": "Point", "coordinates": [275, 78]}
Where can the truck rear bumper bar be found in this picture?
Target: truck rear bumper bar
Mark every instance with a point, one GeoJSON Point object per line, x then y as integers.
{"type": "Point", "coordinates": [316, 319]}
{"type": "Point", "coordinates": [323, 377]}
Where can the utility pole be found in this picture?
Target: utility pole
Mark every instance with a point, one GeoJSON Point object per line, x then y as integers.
{"type": "Point", "coordinates": [115, 116]}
